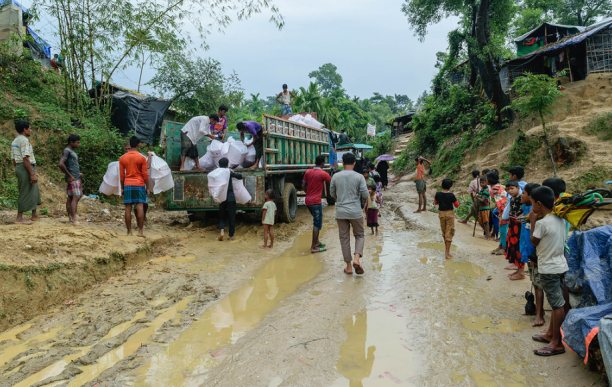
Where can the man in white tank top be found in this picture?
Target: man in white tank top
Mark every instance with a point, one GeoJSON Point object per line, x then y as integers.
{"type": "Point", "coordinates": [286, 99]}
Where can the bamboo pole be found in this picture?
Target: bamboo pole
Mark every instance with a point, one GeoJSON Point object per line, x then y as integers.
{"type": "Point", "coordinates": [569, 64]}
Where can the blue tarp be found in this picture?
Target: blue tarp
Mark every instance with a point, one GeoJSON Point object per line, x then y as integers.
{"type": "Point", "coordinates": [590, 265]}
{"type": "Point", "coordinates": [605, 344]}
{"type": "Point", "coordinates": [24, 9]}
{"type": "Point", "coordinates": [44, 46]}
{"type": "Point", "coordinates": [581, 326]}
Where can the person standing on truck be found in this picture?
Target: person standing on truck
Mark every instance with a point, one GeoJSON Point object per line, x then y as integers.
{"type": "Point", "coordinates": [228, 207]}
{"type": "Point", "coordinates": [134, 185]}
{"type": "Point", "coordinates": [313, 182]}
{"type": "Point", "coordinates": [219, 128]}
{"type": "Point", "coordinates": [254, 129]}
{"type": "Point", "coordinates": [69, 164]}
{"type": "Point", "coordinates": [287, 98]}
{"type": "Point", "coordinates": [343, 138]}
{"type": "Point", "coordinates": [349, 188]}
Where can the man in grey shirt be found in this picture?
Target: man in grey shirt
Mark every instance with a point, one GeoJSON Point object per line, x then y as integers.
{"type": "Point", "coordinates": [69, 164]}
{"type": "Point", "coordinates": [348, 187]}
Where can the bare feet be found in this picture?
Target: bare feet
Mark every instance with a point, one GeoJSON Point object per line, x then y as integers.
{"type": "Point", "coordinates": [449, 256]}
{"type": "Point", "coordinates": [271, 246]}
{"type": "Point", "coordinates": [129, 233]}
{"type": "Point", "coordinates": [485, 238]}
{"type": "Point", "coordinates": [141, 235]}
{"type": "Point", "coordinates": [538, 322]}
{"type": "Point", "coordinates": [22, 221]}
{"type": "Point", "coordinates": [35, 218]}
{"type": "Point", "coordinates": [263, 247]}
{"type": "Point", "coordinates": [462, 221]}
{"type": "Point", "coordinates": [511, 267]}
{"type": "Point", "coordinates": [221, 237]}
{"type": "Point", "coordinates": [182, 170]}
{"type": "Point", "coordinates": [231, 239]}
{"type": "Point", "coordinates": [417, 211]}
{"type": "Point", "coordinates": [517, 276]}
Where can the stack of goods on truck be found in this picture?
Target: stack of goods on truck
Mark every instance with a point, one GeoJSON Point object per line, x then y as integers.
{"type": "Point", "coordinates": [308, 120]}
{"type": "Point", "coordinates": [238, 154]}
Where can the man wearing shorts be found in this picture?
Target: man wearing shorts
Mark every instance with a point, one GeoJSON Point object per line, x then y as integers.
{"type": "Point", "coordinates": [420, 184]}
{"type": "Point", "coordinates": [313, 183]}
{"type": "Point", "coordinates": [69, 164]}
{"type": "Point", "coordinates": [254, 129]}
{"type": "Point", "coordinates": [134, 185]}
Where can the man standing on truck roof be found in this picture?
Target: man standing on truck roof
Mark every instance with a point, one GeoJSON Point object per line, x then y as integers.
{"type": "Point", "coordinates": [287, 98]}
{"type": "Point", "coordinates": [254, 129]}
{"type": "Point", "coordinates": [134, 185]}
{"type": "Point", "coordinates": [343, 138]}
{"type": "Point", "coordinates": [219, 128]}
{"type": "Point", "coordinates": [349, 187]}
{"type": "Point", "coordinates": [313, 182]}
{"type": "Point", "coordinates": [192, 132]}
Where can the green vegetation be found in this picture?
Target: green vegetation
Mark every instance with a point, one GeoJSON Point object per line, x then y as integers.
{"type": "Point", "coordinates": [601, 126]}
{"type": "Point", "coordinates": [522, 150]}
{"type": "Point", "coordinates": [380, 146]}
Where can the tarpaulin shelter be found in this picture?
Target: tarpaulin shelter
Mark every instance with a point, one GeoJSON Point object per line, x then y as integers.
{"type": "Point", "coordinates": [133, 112]}
{"type": "Point", "coordinates": [581, 326]}
{"type": "Point", "coordinates": [605, 343]}
{"type": "Point", "coordinates": [399, 123]}
{"type": "Point", "coordinates": [575, 56]}
{"type": "Point", "coordinates": [545, 33]}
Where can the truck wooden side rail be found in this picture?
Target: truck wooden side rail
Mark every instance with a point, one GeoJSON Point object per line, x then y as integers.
{"type": "Point", "coordinates": [290, 149]}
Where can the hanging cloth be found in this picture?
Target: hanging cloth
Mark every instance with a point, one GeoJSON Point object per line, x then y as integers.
{"type": "Point", "coordinates": [530, 42]}
{"type": "Point", "coordinates": [561, 58]}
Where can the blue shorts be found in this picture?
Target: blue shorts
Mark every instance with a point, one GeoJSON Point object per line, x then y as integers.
{"type": "Point", "coordinates": [317, 215]}
{"type": "Point", "coordinates": [286, 109]}
{"type": "Point", "coordinates": [133, 194]}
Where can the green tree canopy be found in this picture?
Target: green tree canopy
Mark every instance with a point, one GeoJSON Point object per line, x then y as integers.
{"type": "Point", "coordinates": [327, 78]}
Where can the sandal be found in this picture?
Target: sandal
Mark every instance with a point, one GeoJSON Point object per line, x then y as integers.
{"type": "Point", "coordinates": [550, 351]}
{"type": "Point", "coordinates": [318, 251]}
{"type": "Point", "coordinates": [540, 339]}
{"type": "Point", "coordinates": [348, 272]}
{"type": "Point", "coordinates": [358, 268]}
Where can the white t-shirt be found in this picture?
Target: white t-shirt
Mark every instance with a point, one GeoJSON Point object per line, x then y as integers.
{"type": "Point", "coordinates": [551, 233]}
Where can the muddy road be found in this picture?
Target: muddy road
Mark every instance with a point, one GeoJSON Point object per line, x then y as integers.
{"type": "Point", "coordinates": [198, 312]}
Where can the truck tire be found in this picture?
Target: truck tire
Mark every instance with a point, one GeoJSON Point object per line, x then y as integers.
{"type": "Point", "coordinates": [196, 216]}
{"type": "Point", "coordinates": [289, 211]}
{"type": "Point", "coordinates": [330, 200]}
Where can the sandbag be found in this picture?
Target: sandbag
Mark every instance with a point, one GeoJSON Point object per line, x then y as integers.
{"type": "Point", "coordinates": [236, 153]}
{"type": "Point", "coordinates": [189, 164]}
{"type": "Point", "coordinates": [218, 181]}
{"type": "Point", "coordinates": [111, 183]}
{"type": "Point", "coordinates": [207, 161]}
{"type": "Point", "coordinates": [250, 155]}
{"type": "Point", "coordinates": [196, 128]}
{"type": "Point", "coordinates": [160, 175]}
{"type": "Point", "coordinates": [215, 149]}
{"type": "Point", "coordinates": [240, 192]}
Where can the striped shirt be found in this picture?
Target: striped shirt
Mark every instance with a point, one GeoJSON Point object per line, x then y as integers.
{"type": "Point", "coordinates": [21, 148]}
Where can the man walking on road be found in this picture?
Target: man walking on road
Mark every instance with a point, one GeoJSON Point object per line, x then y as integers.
{"type": "Point", "coordinates": [134, 185]}
{"type": "Point", "coordinates": [69, 164]}
{"type": "Point", "coordinates": [313, 183]}
{"type": "Point", "coordinates": [25, 169]}
{"type": "Point", "coordinates": [348, 188]}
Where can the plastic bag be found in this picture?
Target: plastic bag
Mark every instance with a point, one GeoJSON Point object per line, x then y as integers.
{"type": "Point", "coordinates": [189, 164]}
{"type": "Point", "coordinates": [111, 183]}
{"type": "Point", "coordinates": [196, 128]}
{"type": "Point", "coordinates": [240, 192]}
{"type": "Point", "coordinates": [218, 181]}
{"type": "Point", "coordinates": [250, 155]}
{"type": "Point", "coordinates": [160, 174]}
{"type": "Point", "coordinates": [236, 153]}
{"type": "Point", "coordinates": [207, 161]}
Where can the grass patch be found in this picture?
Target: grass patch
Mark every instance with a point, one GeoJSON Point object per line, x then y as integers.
{"type": "Point", "coordinates": [601, 126]}
{"type": "Point", "coordinates": [522, 150]}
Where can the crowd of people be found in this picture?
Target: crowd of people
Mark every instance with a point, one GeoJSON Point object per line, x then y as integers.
{"type": "Point", "coordinates": [519, 216]}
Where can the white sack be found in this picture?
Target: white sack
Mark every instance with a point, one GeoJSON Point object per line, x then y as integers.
{"type": "Point", "coordinates": [250, 155]}
{"type": "Point", "coordinates": [160, 174]}
{"type": "Point", "coordinates": [189, 164]}
{"type": "Point", "coordinates": [240, 192]}
{"type": "Point", "coordinates": [236, 153]}
{"type": "Point", "coordinates": [218, 181]}
{"type": "Point", "coordinates": [207, 161]}
{"type": "Point", "coordinates": [111, 184]}
{"type": "Point", "coordinates": [196, 128]}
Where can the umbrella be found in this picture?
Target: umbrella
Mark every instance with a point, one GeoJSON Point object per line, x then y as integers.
{"type": "Point", "coordinates": [385, 158]}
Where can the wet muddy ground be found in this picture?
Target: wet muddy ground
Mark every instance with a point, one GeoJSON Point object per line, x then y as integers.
{"type": "Point", "coordinates": [209, 313]}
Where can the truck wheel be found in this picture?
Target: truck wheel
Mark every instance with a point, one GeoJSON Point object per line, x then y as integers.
{"type": "Point", "coordinates": [330, 200]}
{"type": "Point", "coordinates": [289, 210]}
{"type": "Point", "coordinates": [196, 216]}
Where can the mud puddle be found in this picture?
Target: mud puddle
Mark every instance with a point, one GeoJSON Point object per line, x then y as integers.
{"type": "Point", "coordinates": [378, 350]}
{"type": "Point", "coordinates": [185, 362]}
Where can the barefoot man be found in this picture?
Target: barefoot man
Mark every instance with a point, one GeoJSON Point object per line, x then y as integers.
{"type": "Point", "coordinates": [25, 169]}
{"type": "Point", "coordinates": [313, 182]}
{"type": "Point", "coordinates": [69, 164]}
{"type": "Point", "coordinates": [348, 188]}
{"type": "Point", "coordinates": [134, 185]}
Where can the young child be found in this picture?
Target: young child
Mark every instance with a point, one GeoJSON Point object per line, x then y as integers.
{"type": "Point", "coordinates": [371, 209]}
{"type": "Point", "coordinates": [548, 238]}
{"type": "Point", "coordinates": [379, 188]}
{"type": "Point", "coordinates": [267, 219]}
{"type": "Point", "coordinates": [484, 208]}
{"type": "Point", "coordinates": [499, 196]}
{"type": "Point", "coordinates": [527, 249]}
{"type": "Point", "coordinates": [445, 201]}
{"type": "Point", "coordinates": [513, 250]}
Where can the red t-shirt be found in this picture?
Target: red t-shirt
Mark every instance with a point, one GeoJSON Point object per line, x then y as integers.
{"type": "Point", "coordinates": [315, 178]}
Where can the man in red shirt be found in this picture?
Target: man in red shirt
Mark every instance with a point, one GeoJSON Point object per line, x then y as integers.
{"type": "Point", "coordinates": [134, 185]}
{"type": "Point", "coordinates": [313, 183]}
{"type": "Point", "coordinates": [420, 184]}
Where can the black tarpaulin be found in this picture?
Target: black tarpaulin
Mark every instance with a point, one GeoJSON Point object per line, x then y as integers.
{"type": "Point", "coordinates": [138, 114]}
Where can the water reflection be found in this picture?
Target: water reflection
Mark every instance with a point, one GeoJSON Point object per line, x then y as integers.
{"type": "Point", "coordinates": [356, 361]}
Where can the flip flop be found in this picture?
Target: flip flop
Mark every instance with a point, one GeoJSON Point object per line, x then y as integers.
{"type": "Point", "coordinates": [348, 272]}
{"type": "Point", "coordinates": [319, 251]}
{"type": "Point", "coordinates": [552, 353]}
{"type": "Point", "coordinates": [358, 268]}
{"type": "Point", "coordinates": [321, 245]}
{"type": "Point", "coordinates": [539, 339]}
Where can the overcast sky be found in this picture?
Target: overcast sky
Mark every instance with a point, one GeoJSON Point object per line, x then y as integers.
{"type": "Point", "coordinates": [368, 40]}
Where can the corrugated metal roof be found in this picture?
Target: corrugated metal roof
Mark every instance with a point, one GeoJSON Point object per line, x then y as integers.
{"type": "Point", "coordinates": [524, 36]}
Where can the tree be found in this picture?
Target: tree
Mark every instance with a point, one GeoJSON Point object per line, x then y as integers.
{"type": "Point", "coordinates": [582, 12]}
{"type": "Point", "coordinates": [327, 78]}
{"type": "Point", "coordinates": [536, 95]}
{"type": "Point", "coordinates": [197, 86]}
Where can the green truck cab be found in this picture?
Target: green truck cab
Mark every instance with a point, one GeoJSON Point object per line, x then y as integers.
{"type": "Point", "coordinates": [290, 150]}
{"type": "Point", "coordinates": [358, 150]}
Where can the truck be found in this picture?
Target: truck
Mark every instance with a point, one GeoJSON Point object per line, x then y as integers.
{"type": "Point", "coordinates": [290, 149]}
{"type": "Point", "coordinates": [359, 150]}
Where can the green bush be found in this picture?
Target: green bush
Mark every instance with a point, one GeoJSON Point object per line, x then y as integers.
{"type": "Point", "coordinates": [522, 149]}
{"type": "Point", "coordinates": [380, 146]}
{"type": "Point", "coordinates": [601, 126]}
